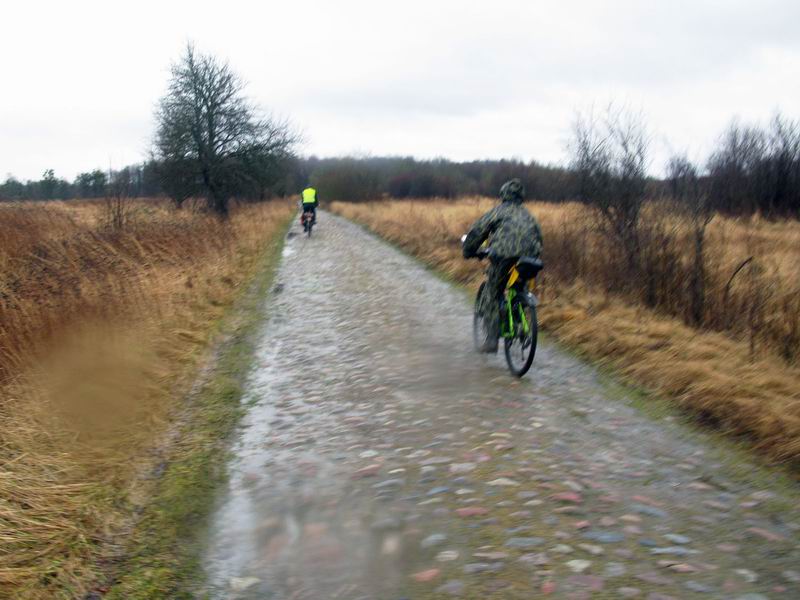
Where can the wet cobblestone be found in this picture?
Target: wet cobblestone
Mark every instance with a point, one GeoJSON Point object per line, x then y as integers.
{"type": "Point", "coordinates": [381, 458]}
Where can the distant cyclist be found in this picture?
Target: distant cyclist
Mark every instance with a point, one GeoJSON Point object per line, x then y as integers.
{"type": "Point", "coordinates": [512, 232]}
{"type": "Point", "coordinates": [310, 202]}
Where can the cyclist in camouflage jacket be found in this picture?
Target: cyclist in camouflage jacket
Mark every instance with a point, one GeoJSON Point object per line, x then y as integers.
{"type": "Point", "coordinates": [512, 232]}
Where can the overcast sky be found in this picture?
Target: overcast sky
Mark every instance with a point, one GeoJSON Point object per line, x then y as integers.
{"type": "Point", "coordinates": [428, 78]}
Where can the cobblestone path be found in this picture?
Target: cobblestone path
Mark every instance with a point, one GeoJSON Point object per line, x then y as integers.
{"type": "Point", "coordinates": [380, 458]}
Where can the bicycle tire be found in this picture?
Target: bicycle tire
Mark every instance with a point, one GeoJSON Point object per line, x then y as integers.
{"type": "Point", "coordinates": [533, 334]}
{"type": "Point", "coordinates": [478, 327]}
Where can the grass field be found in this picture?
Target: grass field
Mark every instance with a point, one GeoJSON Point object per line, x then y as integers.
{"type": "Point", "coordinates": [738, 371]}
{"type": "Point", "coordinates": [101, 333]}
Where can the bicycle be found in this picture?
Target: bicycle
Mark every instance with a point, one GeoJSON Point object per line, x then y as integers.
{"type": "Point", "coordinates": [307, 219]}
{"type": "Point", "coordinates": [519, 326]}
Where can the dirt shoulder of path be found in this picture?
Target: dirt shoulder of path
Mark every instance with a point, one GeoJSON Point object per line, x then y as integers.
{"type": "Point", "coordinates": [160, 558]}
{"type": "Point", "coordinates": [92, 415]}
{"type": "Point", "coordinates": [707, 374]}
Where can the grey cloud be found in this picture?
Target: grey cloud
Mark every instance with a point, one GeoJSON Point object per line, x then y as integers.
{"type": "Point", "coordinates": [427, 77]}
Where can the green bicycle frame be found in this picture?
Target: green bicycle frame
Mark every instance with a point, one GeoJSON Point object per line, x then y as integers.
{"type": "Point", "coordinates": [507, 329]}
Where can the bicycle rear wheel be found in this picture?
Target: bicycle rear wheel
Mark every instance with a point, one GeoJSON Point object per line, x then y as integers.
{"type": "Point", "coordinates": [521, 347]}
{"type": "Point", "coordinates": [479, 329]}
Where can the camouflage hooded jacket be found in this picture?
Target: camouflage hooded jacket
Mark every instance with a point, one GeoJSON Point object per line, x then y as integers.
{"type": "Point", "coordinates": [512, 232]}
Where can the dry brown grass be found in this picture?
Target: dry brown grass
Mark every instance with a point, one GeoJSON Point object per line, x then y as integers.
{"type": "Point", "coordinates": [746, 391]}
{"type": "Point", "coordinates": [100, 332]}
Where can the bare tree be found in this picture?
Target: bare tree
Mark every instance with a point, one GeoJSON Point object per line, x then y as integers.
{"type": "Point", "coordinates": [210, 140]}
{"type": "Point", "coordinates": [690, 190]}
{"type": "Point", "coordinates": [783, 167]}
{"type": "Point", "coordinates": [732, 168]}
{"type": "Point", "coordinates": [117, 199]}
{"type": "Point", "coordinates": [609, 157]}
{"type": "Point", "coordinates": [756, 168]}
{"type": "Point", "coordinates": [178, 180]}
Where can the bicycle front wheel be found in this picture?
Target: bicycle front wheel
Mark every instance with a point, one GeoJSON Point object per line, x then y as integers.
{"type": "Point", "coordinates": [521, 347]}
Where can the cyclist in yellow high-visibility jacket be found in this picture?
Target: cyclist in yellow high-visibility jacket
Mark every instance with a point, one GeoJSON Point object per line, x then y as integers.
{"type": "Point", "coordinates": [310, 201]}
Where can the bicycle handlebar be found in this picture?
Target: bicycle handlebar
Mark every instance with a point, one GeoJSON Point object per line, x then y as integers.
{"type": "Point", "coordinates": [480, 254]}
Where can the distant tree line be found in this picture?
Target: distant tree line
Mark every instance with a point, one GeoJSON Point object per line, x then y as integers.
{"type": "Point", "coordinates": [354, 179]}
{"type": "Point", "coordinates": [243, 157]}
{"type": "Point", "coordinates": [360, 179]}
{"type": "Point", "coordinates": [751, 169]}
{"type": "Point", "coordinates": [144, 182]}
